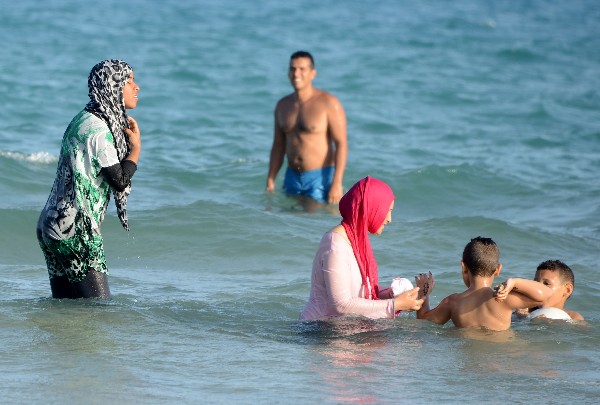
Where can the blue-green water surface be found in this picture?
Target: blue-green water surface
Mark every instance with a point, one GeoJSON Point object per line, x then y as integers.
{"type": "Point", "coordinates": [484, 117]}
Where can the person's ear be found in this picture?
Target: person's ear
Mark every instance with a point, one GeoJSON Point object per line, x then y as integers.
{"type": "Point", "coordinates": [465, 274]}
{"type": "Point", "coordinates": [498, 269]}
{"type": "Point", "coordinates": [568, 289]}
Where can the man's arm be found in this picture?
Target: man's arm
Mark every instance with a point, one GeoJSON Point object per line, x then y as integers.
{"type": "Point", "coordinates": [277, 154]}
{"type": "Point", "coordinates": [337, 130]}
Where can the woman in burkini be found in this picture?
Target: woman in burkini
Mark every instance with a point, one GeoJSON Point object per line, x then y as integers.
{"type": "Point", "coordinates": [99, 153]}
{"type": "Point", "coordinates": [344, 275]}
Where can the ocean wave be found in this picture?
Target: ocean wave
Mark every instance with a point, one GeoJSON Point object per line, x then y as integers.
{"type": "Point", "coordinates": [36, 157]}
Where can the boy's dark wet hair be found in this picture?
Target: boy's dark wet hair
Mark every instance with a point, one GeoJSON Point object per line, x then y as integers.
{"type": "Point", "coordinates": [565, 273]}
{"type": "Point", "coordinates": [481, 256]}
{"type": "Point", "coordinates": [303, 54]}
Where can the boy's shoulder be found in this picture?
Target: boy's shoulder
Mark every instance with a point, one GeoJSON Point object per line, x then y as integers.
{"type": "Point", "coordinates": [574, 315]}
{"type": "Point", "coordinates": [466, 298]}
{"type": "Point", "coordinates": [481, 301]}
{"type": "Point", "coordinates": [452, 298]}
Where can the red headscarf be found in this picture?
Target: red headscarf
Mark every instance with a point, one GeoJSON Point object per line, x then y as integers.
{"type": "Point", "coordinates": [364, 208]}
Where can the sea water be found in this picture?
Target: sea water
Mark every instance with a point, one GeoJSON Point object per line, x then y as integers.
{"type": "Point", "coordinates": [483, 116]}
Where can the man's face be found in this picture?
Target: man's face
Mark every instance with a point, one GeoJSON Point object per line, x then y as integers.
{"type": "Point", "coordinates": [301, 73]}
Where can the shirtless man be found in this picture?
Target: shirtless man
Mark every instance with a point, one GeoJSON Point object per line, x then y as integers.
{"type": "Point", "coordinates": [310, 129]}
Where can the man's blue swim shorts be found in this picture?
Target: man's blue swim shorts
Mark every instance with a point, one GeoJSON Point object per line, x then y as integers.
{"type": "Point", "coordinates": [314, 183]}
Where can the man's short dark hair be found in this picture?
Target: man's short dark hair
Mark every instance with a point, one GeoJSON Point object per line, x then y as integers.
{"type": "Point", "coordinates": [303, 54]}
{"type": "Point", "coordinates": [481, 256]}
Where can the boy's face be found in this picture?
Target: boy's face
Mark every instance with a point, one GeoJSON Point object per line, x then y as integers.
{"type": "Point", "coordinates": [561, 291]}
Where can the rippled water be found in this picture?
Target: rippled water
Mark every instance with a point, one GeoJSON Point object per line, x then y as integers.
{"type": "Point", "coordinates": [483, 116]}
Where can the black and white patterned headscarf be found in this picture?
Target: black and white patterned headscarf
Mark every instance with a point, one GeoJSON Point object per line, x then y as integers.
{"type": "Point", "coordinates": [105, 83]}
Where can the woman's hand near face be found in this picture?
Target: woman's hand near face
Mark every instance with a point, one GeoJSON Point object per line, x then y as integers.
{"type": "Point", "coordinates": [135, 141]}
{"type": "Point", "coordinates": [408, 301]}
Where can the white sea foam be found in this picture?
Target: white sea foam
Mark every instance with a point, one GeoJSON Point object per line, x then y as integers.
{"type": "Point", "coordinates": [37, 157]}
{"type": "Point", "coordinates": [481, 115]}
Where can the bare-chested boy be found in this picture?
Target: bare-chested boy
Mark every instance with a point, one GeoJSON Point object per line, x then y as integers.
{"type": "Point", "coordinates": [560, 279]}
{"type": "Point", "coordinates": [310, 128]}
{"type": "Point", "coordinates": [481, 305]}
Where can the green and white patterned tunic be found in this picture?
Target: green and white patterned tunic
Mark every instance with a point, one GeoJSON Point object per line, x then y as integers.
{"type": "Point", "coordinates": [69, 225]}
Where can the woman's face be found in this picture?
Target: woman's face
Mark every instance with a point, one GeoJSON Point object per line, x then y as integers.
{"type": "Point", "coordinates": [387, 220]}
{"type": "Point", "coordinates": [130, 93]}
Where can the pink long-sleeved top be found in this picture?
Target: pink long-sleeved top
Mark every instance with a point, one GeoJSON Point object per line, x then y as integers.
{"type": "Point", "coordinates": [336, 284]}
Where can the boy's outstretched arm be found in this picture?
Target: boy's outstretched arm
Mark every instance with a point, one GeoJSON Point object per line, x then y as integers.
{"type": "Point", "coordinates": [425, 282]}
{"type": "Point", "coordinates": [441, 313]}
{"type": "Point", "coordinates": [522, 293]}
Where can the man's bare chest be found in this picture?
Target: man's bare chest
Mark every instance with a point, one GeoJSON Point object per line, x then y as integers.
{"type": "Point", "coordinates": [303, 120]}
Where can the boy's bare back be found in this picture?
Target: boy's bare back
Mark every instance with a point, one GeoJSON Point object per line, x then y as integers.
{"type": "Point", "coordinates": [481, 305]}
{"type": "Point", "coordinates": [479, 309]}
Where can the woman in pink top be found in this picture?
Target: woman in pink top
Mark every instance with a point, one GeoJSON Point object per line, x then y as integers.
{"type": "Point", "coordinates": [344, 275]}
